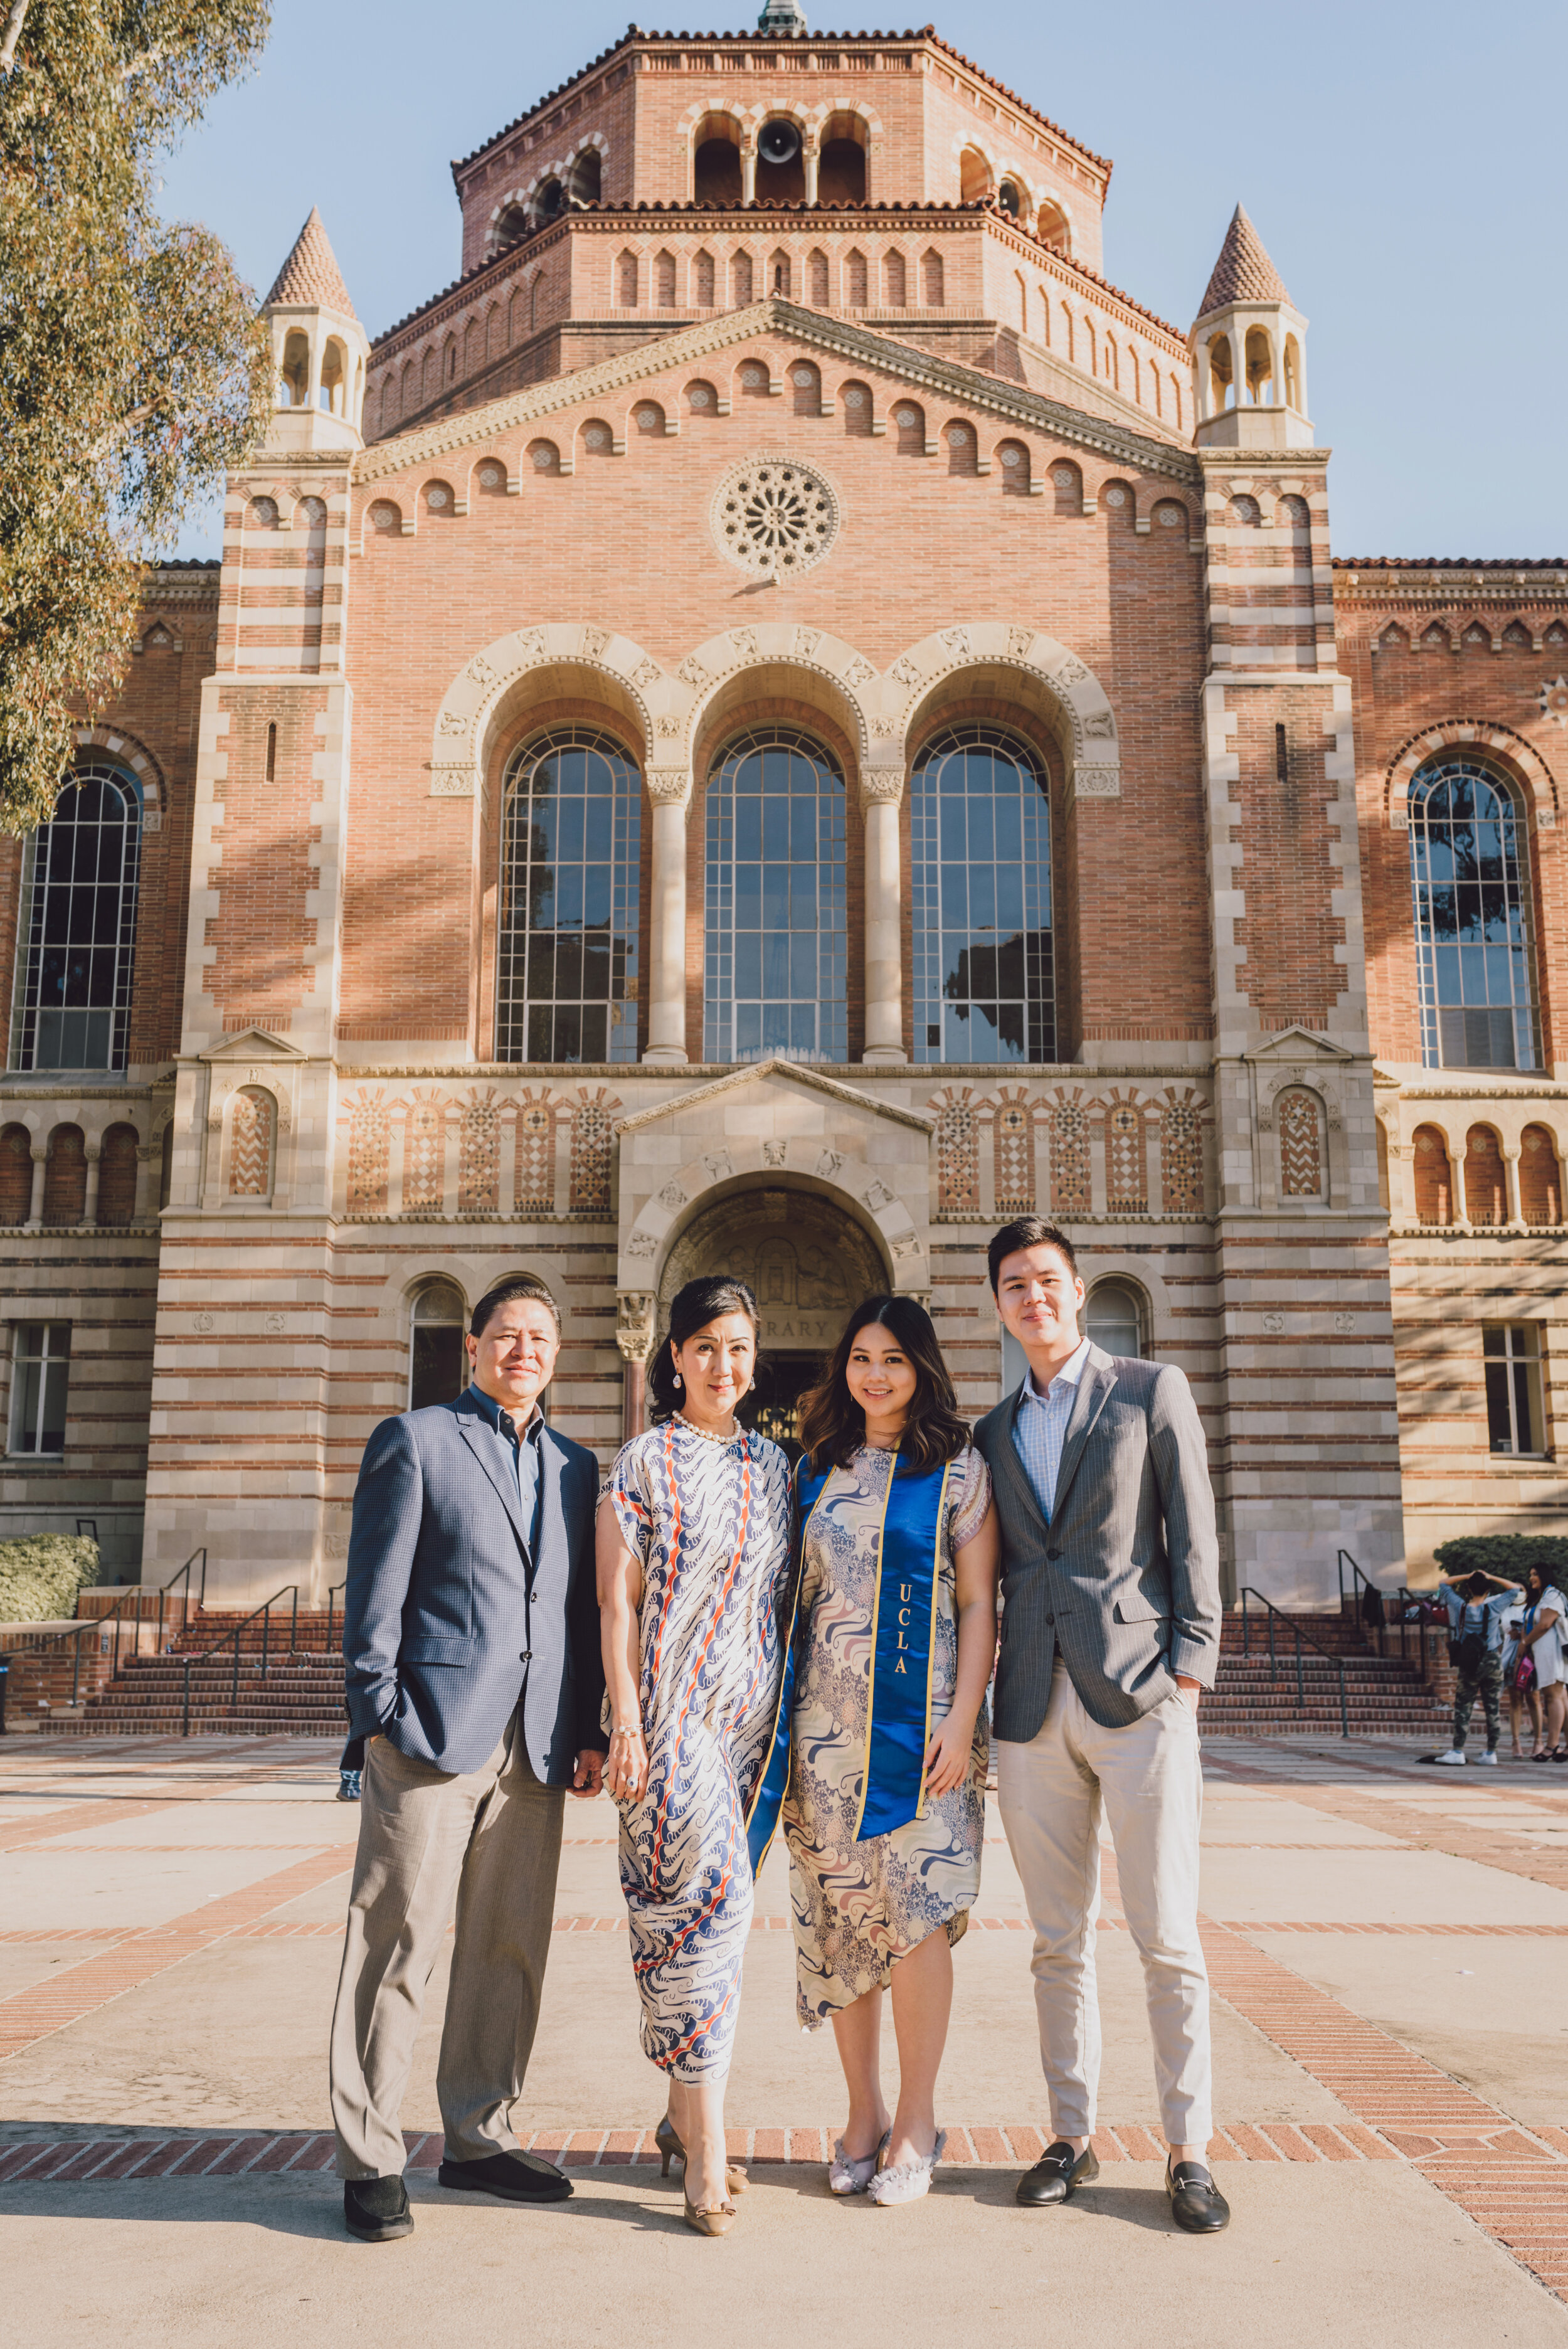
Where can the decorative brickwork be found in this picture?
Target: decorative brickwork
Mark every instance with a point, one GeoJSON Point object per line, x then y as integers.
{"type": "Point", "coordinates": [66, 1176]}
{"type": "Point", "coordinates": [1540, 1177]}
{"type": "Point", "coordinates": [1014, 1128]}
{"type": "Point", "coordinates": [251, 1145]}
{"type": "Point", "coordinates": [593, 1150]}
{"type": "Point", "coordinates": [116, 1176]}
{"type": "Point", "coordinates": [1434, 1193]}
{"type": "Point", "coordinates": [1071, 1189]}
{"type": "Point", "coordinates": [1486, 1178]}
{"type": "Point", "coordinates": [424, 1153]}
{"type": "Point", "coordinates": [535, 1178]}
{"type": "Point", "coordinates": [369, 1154]}
{"type": "Point", "coordinates": [1300, 1144]}
{"type": "Point", "coordinates": [1126, 1159]}
{"type": "Point", "coordinates": [957, 1151]}
{"type": "Point", "coordinates": [1181, 1154]}
{"type": "Point", "coordinates": [478, 1155]}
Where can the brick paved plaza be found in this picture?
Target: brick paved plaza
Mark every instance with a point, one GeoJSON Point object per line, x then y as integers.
{"type": "Point", "coordinates": [1387, 1954]}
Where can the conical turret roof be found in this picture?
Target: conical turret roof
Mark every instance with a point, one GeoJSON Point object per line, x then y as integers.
{"type": "Point", "coordinates": [1244, 272]}
{"type": "Point", "coordinates": [311, 275]}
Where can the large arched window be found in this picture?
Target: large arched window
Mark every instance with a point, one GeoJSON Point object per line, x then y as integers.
{"type": "Point", "coordinates": [1474, 957]}
{"type": "Point", "coordinates": [1113, 1318]}
{"type": "Point", "coordinates": [438, 1369]}
{"type": "Point", "coordinates": [77, 932]}
{"type": "Point", "coordinates": [567, 960]}
{"type": "Point", "coordinates": [776, 948]}
{"type": "Point", "coordinates": [980, 893]}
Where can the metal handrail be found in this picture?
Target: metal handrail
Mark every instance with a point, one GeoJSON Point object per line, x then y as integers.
{"type": "Point", "coordinates": [332, 1592]}
{"type": "Point", "coordinates": [117, 1616]}
{"type": "Point", "coordinates": [1399, 1601]}
{"type": "Point", "coordinates": [265, 1611]}
{"type": "Point", "coordinates": [1295, 1630]}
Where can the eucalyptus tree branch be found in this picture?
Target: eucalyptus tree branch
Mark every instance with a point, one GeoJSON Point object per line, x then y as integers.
{"type": "Point", "coordinates": [16, 18]}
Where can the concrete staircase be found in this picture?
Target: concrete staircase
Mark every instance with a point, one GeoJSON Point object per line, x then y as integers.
{"type": "Point", "coordinates": [1384, 1697]}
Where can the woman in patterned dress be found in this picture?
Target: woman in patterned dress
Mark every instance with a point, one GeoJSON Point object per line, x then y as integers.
{"type": "Point", "coordinates": [905, 1496]}
{"type": "Point", "coordinates": [695, 1565]}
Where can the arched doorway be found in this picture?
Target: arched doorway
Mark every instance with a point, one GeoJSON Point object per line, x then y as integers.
{"type": "Point", "coordinates": [808, 1261]}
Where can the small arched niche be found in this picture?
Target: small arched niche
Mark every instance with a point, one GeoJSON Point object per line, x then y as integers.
{"type": "Point", "coordinates": [841, 168]}
{"type": "Point", "coordinates": [1303, 1154]}
{"type": "Point", "coordinates": [437, 1363]}
{"type": "Point", "coordinates": [1259, 367]}
{"type": "Point", "coordinates": [293, 374]}
{"type": "Point", "coordinates": [252, 1143]}
{"type": "Point", "coordinates": [716, 161]}
{"type": "Point", "coordinates": [1433, 1179]}
{"type": "Point", "coordinates": [974, 177]}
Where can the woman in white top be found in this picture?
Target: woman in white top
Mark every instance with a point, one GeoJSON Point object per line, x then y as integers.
{"type": "Point", "coordinates": [1544, 1644]}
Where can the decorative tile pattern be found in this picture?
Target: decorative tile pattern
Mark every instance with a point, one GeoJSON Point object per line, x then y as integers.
{"type": "Point", "coordinates": [1126, 1160]}
{"type": "Point", "coordinates": [1071, 1191]}
{"type": "Point", "coordinates": [957, 1151]}
{"type": "Point", "coordinates": [425, 1153]}
{"type": "Point", "coordinates": [1014, 1152]}
{"type": "Point", "coordinates": [593, 1150]}
{"type": "Point", "coordinates": [1300, 1145]}
{"type": "Point", "coordinates": [1182, 1154]}
{"type": "Point", "coordinates": [370, 1150]}
{"type": "Point", "coordinates": [478, 1156]}
{"type": "Point", "coordinates": [535, 1193]}
{"type": "Point", "coordinates": [251, 1145]}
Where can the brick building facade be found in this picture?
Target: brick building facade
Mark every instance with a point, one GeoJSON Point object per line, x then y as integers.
{"type": "Point", "coordinates": [780, 719]}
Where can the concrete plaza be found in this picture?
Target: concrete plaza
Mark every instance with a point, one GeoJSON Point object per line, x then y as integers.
{"type": "Point", "coordinates": [1386, 1943]}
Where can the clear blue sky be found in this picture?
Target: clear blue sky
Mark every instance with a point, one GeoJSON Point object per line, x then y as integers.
{"type": "Point", "coordinates": [1402, 160]}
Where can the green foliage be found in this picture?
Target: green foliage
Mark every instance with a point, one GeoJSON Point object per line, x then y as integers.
{"type": "Point", "coordinates": [134, 371]}
{"type": "Point", "coordinates": [1509, 1556]}
{"type": "Point", "coordinates": [41, 1574]}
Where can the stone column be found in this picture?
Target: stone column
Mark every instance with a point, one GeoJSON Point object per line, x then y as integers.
{"type": "Point", "coordinates": [748, 172]}
{"type": "Point", "coordinates": [148, 1155]}
{"type": "Point", "coordinates": [1515, 1216]}
{"type": "Point", "coordinates": [811, 158]}
{"type": "Point", "coordinates": [669, 792]}
{"type": "Point", "coordinates": [881, 794]}
{"type": "Point", "coordinates": [634, 1336]}
{"type": "Point", "coordinates": [40, 1161]}
{"type": "Point", "coordinates": [92, 1153]}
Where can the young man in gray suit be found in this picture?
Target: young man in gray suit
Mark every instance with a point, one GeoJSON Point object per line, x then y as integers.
{"type": "Point", "coordinates": [471, 1641]}
{"type": "Point", "coordinates": [1110, 1630]}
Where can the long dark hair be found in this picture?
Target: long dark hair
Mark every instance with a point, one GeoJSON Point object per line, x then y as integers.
{"type": "Point", "coordinates": [834, 1425]}
{"type": "Point", "coordinates": [697, 1304]}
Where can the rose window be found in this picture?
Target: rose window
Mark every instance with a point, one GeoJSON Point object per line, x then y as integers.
{"type": "Point", "coordinates": [774, 518]}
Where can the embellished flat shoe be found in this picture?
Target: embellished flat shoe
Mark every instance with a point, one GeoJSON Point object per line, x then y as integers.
{"type": "Point", "coordinates": [703, 2222]}
{"type": "Point", "coordinates": [909, 2180]}
{"type": "Point", "coordinates": [1197, 2204]}
{"type": "Point", "coordinates": [736, 2181]}
{"type": "Point", "coordinates": [852, 2173]}
{"type": "Point", "coordinates": [1056, 2175]}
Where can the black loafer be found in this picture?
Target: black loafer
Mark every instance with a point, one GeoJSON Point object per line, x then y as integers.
{"type": "Point", "coordinates": [514, 2176]}
{"type": "Point", "coordinates": [1197, 2204]}
{"type": "Point", "coordinates": [377, 2209]}
{"type": "Point", "coordinates": [1057, 2174]}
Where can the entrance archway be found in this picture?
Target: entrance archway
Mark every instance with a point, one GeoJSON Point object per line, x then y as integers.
{"type": "Point", "coordinates": [808, 1262]}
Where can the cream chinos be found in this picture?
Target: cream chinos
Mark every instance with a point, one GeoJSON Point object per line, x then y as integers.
{"type": "Point", "coordinates": [1149, 1779]}
{"type": "Point", "coordinates": [487, 1840]}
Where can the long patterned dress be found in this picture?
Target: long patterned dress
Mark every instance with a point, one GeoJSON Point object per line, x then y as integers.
{"type": "Point", "coordinates": [860, 1906]}
{"type": "Point", "coordinates": [710, 1521]}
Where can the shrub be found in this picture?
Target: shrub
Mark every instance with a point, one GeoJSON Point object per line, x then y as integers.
{"type": "Point", "coordinates": [41, 1574]}
{"type": "Point", "coordinates": [1506, 1554]}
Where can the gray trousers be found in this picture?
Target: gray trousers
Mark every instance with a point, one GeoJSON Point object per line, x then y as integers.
{"type": "Point", "coordinates": [489, 1843]}
{"type": "Point", "coordinates": [1148, 1781]}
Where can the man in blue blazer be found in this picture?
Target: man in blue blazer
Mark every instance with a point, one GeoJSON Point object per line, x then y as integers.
{"type": "Point", "coordinates": [471, 1639]}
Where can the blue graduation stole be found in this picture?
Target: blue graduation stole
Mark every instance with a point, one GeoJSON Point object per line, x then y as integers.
{"type": "Point", "coordinates": [898, 1712]}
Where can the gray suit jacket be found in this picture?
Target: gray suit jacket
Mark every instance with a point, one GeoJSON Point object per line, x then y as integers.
{"type": "Point", "coordinates": [449, 1616]}
{"type": "Point", "coordinates": [1125, 1581]}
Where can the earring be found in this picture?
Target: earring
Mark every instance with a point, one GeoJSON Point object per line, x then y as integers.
{"type": "Point", "coordinates": [679, 1383]}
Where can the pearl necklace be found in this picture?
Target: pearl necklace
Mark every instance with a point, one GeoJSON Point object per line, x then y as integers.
{"type": "Point", "coordinates": [708, 1434]}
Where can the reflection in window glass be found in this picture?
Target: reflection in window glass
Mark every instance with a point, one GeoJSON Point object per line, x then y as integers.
{"type": "Point", "coordinates": [1515, 1419]}
{"type": "Point", "coordinates": [437, 1368]}
{"type": "Point", "coordinates": [1475, 965]}
{"type": "Point", "coordinates": [776, 944]}
{"type": "Point", "coordinates": [567, 958]}
{"type": "Point", "coordinates": [980, 887]}
{"type": "Point", "coordinates": [77, 931]}
{"type": "Point", "coordinates": [38, 1386]}
{"type": "Point", "coordinates": [1112, 1319]}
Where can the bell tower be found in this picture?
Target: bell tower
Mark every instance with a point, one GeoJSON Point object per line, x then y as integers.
{"type": "Point", "coordinates": [1248, 352]}
{"type": "Point", "coordinates": [319, 350]}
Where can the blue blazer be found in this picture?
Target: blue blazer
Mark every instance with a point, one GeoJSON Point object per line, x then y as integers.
{"type": "Point", "coordinates": [449, 1616]}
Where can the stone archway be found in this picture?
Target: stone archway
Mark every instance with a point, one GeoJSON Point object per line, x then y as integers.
{"type": "Point", "coordinates": [808, 1261]}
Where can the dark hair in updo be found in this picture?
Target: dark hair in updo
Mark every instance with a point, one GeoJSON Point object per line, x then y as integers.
{"type": "Point", "coordinates": [697, 1304]}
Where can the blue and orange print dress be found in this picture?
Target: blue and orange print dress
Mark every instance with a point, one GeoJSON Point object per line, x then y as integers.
{"type": "Point", "coordinates": [711, 1522]}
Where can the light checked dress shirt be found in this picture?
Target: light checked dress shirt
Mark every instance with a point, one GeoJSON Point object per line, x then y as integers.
{"type": "Point", "coordinates": [521, 1449]}
{"type": "Point", "coordinates": [1041, 1426]}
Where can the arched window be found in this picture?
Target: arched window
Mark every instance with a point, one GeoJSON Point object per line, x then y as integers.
{"type": "Point", "coordinates": [79, 927]}
{"type": "Point", "coordinates": [1474, 959]}
{"type": "Point", "coordinates": [438, 1371]}
{"type": "Point", "coordinates": [980, 830]}
{"type": "Point", "coordinates": [776, 945]}
{"type": "Point", "coordinates": [1113, 1318]}
{"type": "Point", "coordinates": [1540, 1177]}
{"type": "Point", "coordinates": [567, 962]}
{"type": "Point", "coordinates": [116, 1176]}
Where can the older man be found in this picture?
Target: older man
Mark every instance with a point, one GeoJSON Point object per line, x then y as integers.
{"type": "Point", "coordinates": [471, 1641]}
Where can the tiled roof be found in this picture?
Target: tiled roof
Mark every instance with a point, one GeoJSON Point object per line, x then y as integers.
{"type": "Point", "coordinates": [1244, 272]}
{"type": "Point", "coordinates": [311, 274]}
{"type": "Point", "coordinates": [1448, 562]}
